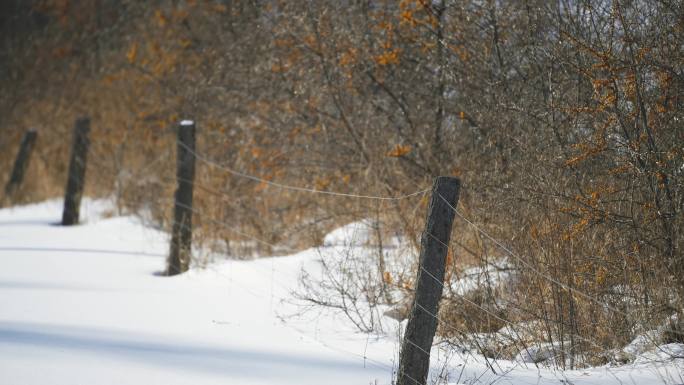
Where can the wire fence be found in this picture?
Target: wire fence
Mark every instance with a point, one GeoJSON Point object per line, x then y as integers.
{"type": "Point", "coordinates": [291, 187]}
{"type": "Point", "coordinates": [507, 250]}
{"type": "Point", "coordinates": [100, 161]}
{"type": "Point", "coordinates": [522, 263]}
{"type": "Point", "coordinates": [447, 326]}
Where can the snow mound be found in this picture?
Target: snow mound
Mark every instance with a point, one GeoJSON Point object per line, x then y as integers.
{"type": "Point", "coordinates": [355, 233]}
{"type": "Point", "coordinates": [493, 275]}
{"type": "Point", "coordinates": [662, 353]}
{"type": "Point", "coordinates": [537, 354]}
{"type": "Point", "coordinates": [642, 343]}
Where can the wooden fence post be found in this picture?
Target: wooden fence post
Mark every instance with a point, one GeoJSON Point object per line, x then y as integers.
{"type": "Point", "coordinates": [181, 236]}
{"type": "Point", "coordinates": [414, 359]}
{"type": "Point", "coordinates": [21, 163]}
{"type": "Point", "coordinates": [77, 170]}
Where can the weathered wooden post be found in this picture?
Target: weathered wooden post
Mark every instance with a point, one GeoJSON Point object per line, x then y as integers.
{"type": "Point", "coordinates": [21, 163]}
{"type": "Point", "coordinates": [414, 359]}
{"type": "Point", "coordinates": [181, 236]}
{"type": "Point", "coordinates": [77, 170]}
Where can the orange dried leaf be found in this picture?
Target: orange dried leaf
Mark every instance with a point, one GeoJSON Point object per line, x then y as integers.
{"type": "Point", "coordinates": [449, 258]}
{"type": "Point", "coordinates": [322, 183]}
{"type": "Point", "coordinates": [132, 53]}
{"type": "Point", "coordinates": [161, 19]}
{"type": "Point", "coordinates": [260, 187]}
{"type": "Point", "coordinates": [388, 57]}
{"type": "Point", "coordinates": [256, 152]}
{"type": "Point", "coordinates": [399, 151]}
{"type": "Point", "coordinates": [387, 277]}
{"type": "Point", "coordinates": [108, 80]}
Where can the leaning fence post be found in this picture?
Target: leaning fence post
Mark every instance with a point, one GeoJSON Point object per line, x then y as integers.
{"type": "Point", "coordinates": [21, 163]}
{"type": "Point", "coordinates": [77, 170]}
{"type": "Point", "coordinates": [181, 235]}
{"type": "Point", "coordinates": [414, 359]}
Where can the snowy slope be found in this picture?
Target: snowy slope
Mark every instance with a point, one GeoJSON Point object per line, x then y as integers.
{"type": "Point", "coordinates": [84, 305]}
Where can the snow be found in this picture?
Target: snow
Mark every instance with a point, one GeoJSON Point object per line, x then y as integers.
{"type": "Point", "coordinates": [642, 343]}
{"type": "Point", "coordinates": [540, 353]}
{"type": "Point", "coordinates": [662, 353]}
{"type": "Point", "coordinates": [359, 233]}
{"type": "Point", "coordinates": [493, 275]}
{"type": "Point", "coordinates": [86, 305]}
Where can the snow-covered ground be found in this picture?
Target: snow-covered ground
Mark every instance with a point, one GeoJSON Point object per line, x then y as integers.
{"type": "Point", "coordinates": [85, 305]}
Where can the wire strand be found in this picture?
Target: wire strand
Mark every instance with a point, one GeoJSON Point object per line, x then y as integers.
{"type": "Point", "coordinates": [294, 188]}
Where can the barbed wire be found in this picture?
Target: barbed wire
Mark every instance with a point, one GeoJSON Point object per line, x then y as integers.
{"type": "Point", "coordinates": [291, 187]}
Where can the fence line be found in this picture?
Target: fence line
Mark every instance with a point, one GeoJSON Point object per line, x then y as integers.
{"type": "Point", "coordinates": [293, 251]}
{"type": "Point", "coordinates": [215, 164]}
{"type": "Point", "coordinates": [441, 321]}
{"type": "Point", "coordinates": [102, 161]}
{"type": "Point", "coordinates": [301, 189]}
{"type": "Point", "coordinates": [435, 316]}
{"type": "Point", "coordinates": [99, 158]}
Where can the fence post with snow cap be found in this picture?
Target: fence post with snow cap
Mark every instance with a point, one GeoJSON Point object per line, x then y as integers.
{"type": "Point", "coordinates": [77, 170]}
{"type": "Point", "coordinates": [414, 359]}
{"type": "Point", "coordinates": [181, 235]}
{"type": "Point", "coordinates": [21, 163]}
